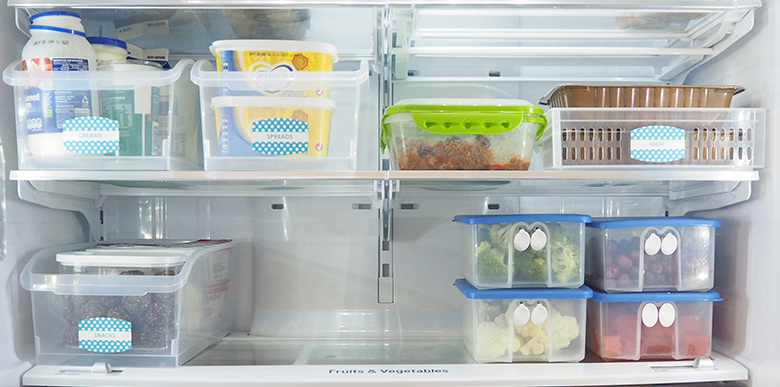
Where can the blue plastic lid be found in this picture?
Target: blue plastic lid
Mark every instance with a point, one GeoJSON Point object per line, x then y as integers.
{"type": "Point", "coordinates": [58, 29]}
{"type": "Point", "coordinates": [107, 41]}
{"type": "Point", "coordinates": [521, 294]}
{"type": "Point", "coordinates": [511, 218]}
{"type": "Point", "coordinates": [54, 13]}
{"type": "Point", "coordinates": [659, 221]}
{"type": "Point", "coordinates": [710, 295]}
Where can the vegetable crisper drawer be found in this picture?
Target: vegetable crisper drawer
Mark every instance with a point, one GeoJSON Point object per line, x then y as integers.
{"type": "Point", "coordinates": [646, 138]}
{"type": "Point", "coordinates": [634, 326]}
{"type": "Point", "coordinates": [124, 120]}
{"type": "Point", "coordinates": [300, 120]}
{"type": "Point", "coordinates": [523, 250]}
{"type": "Point", "coordinates": [524, 325]}
{"type": "Point", "coordinates": [651, 254]}
{"type": "Point", "coordinates": [155, 304]}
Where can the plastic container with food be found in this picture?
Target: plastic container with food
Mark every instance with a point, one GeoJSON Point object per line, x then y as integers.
{"type": "Point", "coordinates": [655, 325]}
{"type": "Point", "coordinates": [651, 254]}
{"type": "Point", "coordinates": [523, 250]}
{"type": "Point", "coordinates": [276, 57]}
{"type": "Point", "coordinates": [635, 96]}
{"type": "Point", "coordinates": [524, 325]}
{"type": "Point", "coordinates": [130, 308]}
{"type": "Point", "coordinates": [461, 134]}
{"type": "Point", "coordinates": [271, 126]}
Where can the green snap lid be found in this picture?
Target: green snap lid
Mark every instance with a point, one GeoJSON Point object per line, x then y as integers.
{"type": "Point", "coordinates": [468, 116]}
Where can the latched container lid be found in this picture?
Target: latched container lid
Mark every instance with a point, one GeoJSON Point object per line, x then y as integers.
{"type": "Point", "coordinates": [604, 223]}
{"type": "Point", "coordinates": [709, 295]}
{"type": "Point", "coordinates": [471, 292]}
{"type": "Point", "coordinates": [512, 218]}
{"type": "Point", "coordinates": [449, 116]}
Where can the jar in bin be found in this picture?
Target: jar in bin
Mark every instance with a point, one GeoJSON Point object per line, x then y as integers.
{"type": "Point", "coordinates": [57, 43]}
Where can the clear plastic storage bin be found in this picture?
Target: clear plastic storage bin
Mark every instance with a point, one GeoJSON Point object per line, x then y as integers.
{"type": "Point", "coordinates": [308, 132]}
{"type": "Point", "coordinates": [643, 138]}
{"type": "Point", "coordinates": [461, 134]}
{"type": "Point", "coordinates": [139, 120]}
{"type": "Point", "coordinates": [523, 250]}
{"type": "Point", "coordinates": [651, 254]}
{"type": "Point", "coordinates": [655, 325]}
{"type": "Point", "coordinates": [139, 306]}
{"type": "Point", "coordinates": [524, 325]}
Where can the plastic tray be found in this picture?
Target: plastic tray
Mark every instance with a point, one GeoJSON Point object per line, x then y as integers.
{"type": "Point", "coordinates": [647, 138]}
{"type": "Point", "coordinates": [634, 326]}
{"type": "Point", "coordinates": [668, 96]}
{"type": "Point", "coordinates": [169, 139]}
{"type": "Point", "coordinates": [514, 325]}
{"type": "Point", "coordinates": [139, 317]}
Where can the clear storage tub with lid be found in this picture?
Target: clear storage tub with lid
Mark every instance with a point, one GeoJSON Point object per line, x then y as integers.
{"type": "Point", "coordinates": [651, 254]}
{"type": "Point", "coordinates": [524, 325]}
{"type": "Point", "coordinates": [152, 307]}
{"type": "Point", "coordinates": [523, 250]}
{"type": "Point", "coordinates": [457, 134]}
{"type": "Point", "coordinates": [653, 325]}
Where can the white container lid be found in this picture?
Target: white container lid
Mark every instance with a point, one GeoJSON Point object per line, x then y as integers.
{"type": "Point", "coordinates": [135, 258]}
{"type": "Point", "coordinates": [274, 45]}
{"type": "Point", "coordinates": [279, 102]}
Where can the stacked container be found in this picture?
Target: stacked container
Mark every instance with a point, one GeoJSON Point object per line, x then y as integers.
{"type": "Point", "coordinates": [653, 278]}
{"type": "Point", "coordinates": [523, 287]}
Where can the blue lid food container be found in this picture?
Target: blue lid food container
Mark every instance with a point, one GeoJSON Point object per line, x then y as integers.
{"type": "Point", "coordinates": [651, 325]}
{"type": "Point", "coordinates": [651, 254]}
{"type": "Point", "coordinates": [523, 250]}
{"type": "Point", "coordinates": [524, 325]}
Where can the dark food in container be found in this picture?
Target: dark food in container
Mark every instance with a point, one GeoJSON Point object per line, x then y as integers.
{"type": "Point", "coordinates": [675, 96]}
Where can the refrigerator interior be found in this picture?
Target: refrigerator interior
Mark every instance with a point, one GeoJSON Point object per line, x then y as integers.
{"type": "Point", "coordinates": [347, 276]}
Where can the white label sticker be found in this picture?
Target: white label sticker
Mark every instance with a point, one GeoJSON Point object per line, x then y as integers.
{"type": "Point", "coordinates": [658, 143]}
{"type": "Point", "coordinates": [156, 27]}
{"type": "Point", "coordinates": [105, 335]}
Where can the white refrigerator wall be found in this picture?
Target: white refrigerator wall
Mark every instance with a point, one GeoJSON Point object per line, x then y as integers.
{"type": "Point", "coordinates": [27, 228]}
{"type": "Point", "coordinates": [746, 264]}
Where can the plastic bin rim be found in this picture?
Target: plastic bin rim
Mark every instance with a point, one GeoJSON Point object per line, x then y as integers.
{"type": "Point", "coordinates": [93, 258]}
{"type": "Point", "coordinates": [511, 218]}
{"type": "Point", "coordinates": [13, 75]}
{"type": "Point", "coordinates": [604, 223]}
{"type": "Point", "coordinates": [204, 74]}
{"type": "Point", "coordinates": [274, 45]}
{"type": "Point", "coordinates": [471, 292]}
{"type": "Point", "coordinates": [709, 295]}
{"type": "Point", "coordinates": [291, 102]}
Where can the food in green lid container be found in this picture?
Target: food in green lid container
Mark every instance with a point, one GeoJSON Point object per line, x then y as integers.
{"type": "Point", "coordinates": [461, 134]}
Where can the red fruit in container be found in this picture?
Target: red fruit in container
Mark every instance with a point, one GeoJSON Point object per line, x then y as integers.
{"type": "Point", "coordinates": [613, 271]}
{"type": "Point", "coordinates": [623, 261]}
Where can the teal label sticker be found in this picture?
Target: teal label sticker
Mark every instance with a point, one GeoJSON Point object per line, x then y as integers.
{"type": "Point", "coordinates": [91, 135]}
{"type": "Point", "coordinates": [657, 143]}
{"type": "Point", "coordinates": [280, 136]}
{"type": "Point", "coordinates": [105, 335]}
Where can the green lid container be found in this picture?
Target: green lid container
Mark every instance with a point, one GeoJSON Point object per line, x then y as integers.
{"type": "Point", "coordinates": [462, 133]}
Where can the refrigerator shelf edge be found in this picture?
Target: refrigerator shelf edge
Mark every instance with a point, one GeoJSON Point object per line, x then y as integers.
{"type": "Point", "coordinates": [716, 368]}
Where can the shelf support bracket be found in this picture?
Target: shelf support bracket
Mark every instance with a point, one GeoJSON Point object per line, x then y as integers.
{"type": "Point", "coordinates": [79, 197]}
{"type": "Point", "coordinates": [386, 193]}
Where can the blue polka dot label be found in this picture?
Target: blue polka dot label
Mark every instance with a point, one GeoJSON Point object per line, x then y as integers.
{"type": "Point", "coordinates": [105, 335]}
{"type": "Point", "coordinates": [280, 136]}
{"type": "Point", "coordinates": [658, 143]}
{"type": "Point", "coordinates": [91, 135]}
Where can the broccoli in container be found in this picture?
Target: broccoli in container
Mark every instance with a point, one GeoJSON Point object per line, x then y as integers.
{"type": "Point", "coordinates": [524, 250]}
